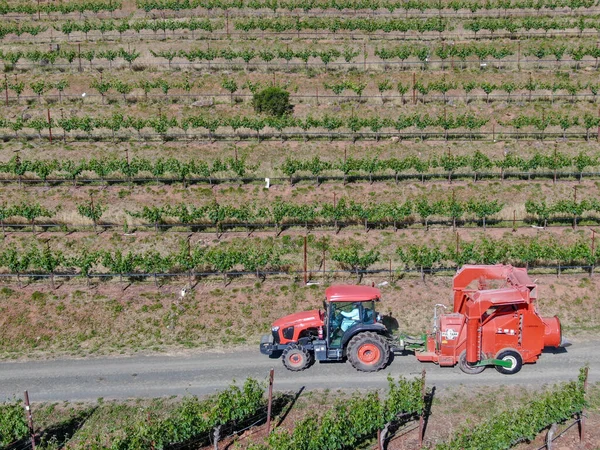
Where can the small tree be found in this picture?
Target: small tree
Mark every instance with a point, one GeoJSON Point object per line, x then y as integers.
{"type": "Point", "coordinates": [272, 100]}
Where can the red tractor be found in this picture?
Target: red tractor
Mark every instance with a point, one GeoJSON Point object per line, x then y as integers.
{"type": "Point", "coordinates": [490, 326]}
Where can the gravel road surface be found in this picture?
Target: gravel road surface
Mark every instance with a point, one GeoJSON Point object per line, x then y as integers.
{"type": "Point", "coordinates": [204, 373]}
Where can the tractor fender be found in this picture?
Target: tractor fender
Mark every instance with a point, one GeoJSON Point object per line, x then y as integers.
{"type": "Point", "coordinates": [378, 328]}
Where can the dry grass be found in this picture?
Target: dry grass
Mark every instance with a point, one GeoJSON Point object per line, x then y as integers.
{"type": "Point", "coordinates": [74, 320]}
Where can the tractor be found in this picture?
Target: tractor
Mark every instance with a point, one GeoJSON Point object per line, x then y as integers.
{"type": "Point", "coordinates": [494, 322]}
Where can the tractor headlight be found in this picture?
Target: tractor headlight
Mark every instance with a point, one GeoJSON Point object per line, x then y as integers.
{"type": "Point", "coordinates": [274, 329]}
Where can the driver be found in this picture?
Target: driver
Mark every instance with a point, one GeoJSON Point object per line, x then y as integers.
{"type": "Point", "coordinates": [350, 318]}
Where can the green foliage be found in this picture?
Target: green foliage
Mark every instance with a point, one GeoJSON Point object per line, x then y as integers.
{"type": "Point", "coordinates": [91, 211]}
{"type": "Point", "coordinates": [504, 430]}
{"type": "Point", "coordinates": [354, 257]}
{"type": "Point", "coordinates": [348, 423]}
{"type": "Point", "coordinates": [196, 418]}
{"type": "Point", "coordinates": [13, 425]}
{"type": "Point", "coordinates": [272, 100]}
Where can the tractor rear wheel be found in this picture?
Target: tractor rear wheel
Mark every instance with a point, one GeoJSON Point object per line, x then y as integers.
{"type": "Point", "coordinates": [368, 352]}
{"type": "Point", "coordinates": [467, 367]}
{"type": "Point", "coordinates": [296, 358]}
{"type": "Point", "coordinates": [515, 359]}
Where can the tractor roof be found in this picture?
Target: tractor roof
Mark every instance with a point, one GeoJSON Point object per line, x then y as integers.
{"type": "Point", "coordinates": [352, 293]}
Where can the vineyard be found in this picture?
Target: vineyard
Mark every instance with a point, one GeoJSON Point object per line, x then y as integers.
{"type": "Point", "coordinates": [254, 152]}
{"type": "Point", "coordinates": [349, 420]}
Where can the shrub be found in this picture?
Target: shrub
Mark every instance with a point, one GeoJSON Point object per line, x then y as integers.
{"type": "Point", "coordinates": [272, 100]}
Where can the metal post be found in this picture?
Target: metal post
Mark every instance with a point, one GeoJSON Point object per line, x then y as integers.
{"type": "Point", "coordinates": [29, 420]}
{"type": "Point", "coordinates": [391, 276]}
{"type": "Point", "coordinates": [519, 56]}
{"type": "Point", "coordinates": [269, 405]}
{"type": "Point", "coordinates": [323, 262]}
{"type": "Point", "coordinates": [422, 417]}
{"type": "Point", "coordinates": [364, 56]}
{"type": "Point", "coordinates": [317, 95]}
{"type": "Point", "coordinates": [79, 56]}
{"type": "Point", "coordinates": [305, 262]}
{"type": "Point", "coordinates": [6, 88]}
{"type": "Point", "coordinates": [514, 221]}
{"type": "Point", "coordinates": [414, 89]}
{"type": "Point", "coordinates": [49, 126]}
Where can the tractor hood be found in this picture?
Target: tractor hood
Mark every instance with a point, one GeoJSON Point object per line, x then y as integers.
{"type": "Point", "coordinates": [305, 318]}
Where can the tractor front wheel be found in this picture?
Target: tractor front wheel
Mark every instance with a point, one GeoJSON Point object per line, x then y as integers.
{"type": "Point", "coordinates": [368, 352]}
{"type": "Point", "coordinates": [296, 358]}
{"type": "Point", "coordinates": [515, 359]}
{"type": "Point", "coordinates": [467, 367]}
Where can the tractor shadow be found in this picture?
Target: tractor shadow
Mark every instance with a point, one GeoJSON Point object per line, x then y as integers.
{"type": "Point", "coordinates": [555, 350]}
{"type": "Point", "coordinates": [391, 323]}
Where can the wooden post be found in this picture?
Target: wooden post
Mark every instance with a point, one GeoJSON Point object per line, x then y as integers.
{"type": "Point", "coordinates": [593, 251]}
{"type": "Point", "coordinates": [317, 96]}
{"type": "Point", "coordinates": [457, 243]}
{"type": "Point", "coordinates": [414, 89]}
{"type": "Point", "coordinates": [598, 137]}
{"type": "Point", "coordinates": [227, 22]}
{"type": "Point", "coordinates": [379, 443]}
{"type": "Point", "coordinates": [305, 262]}
{"type": "Point", "coordinates": [79, 56]}
{"type": "Point", "coordinates": [49, 126]}
{"type": "Point", "coordinates": [29, 420]}
{"type": "Point", "coordinates": [422, 417]}
{"type": "Point", "coordinates": [365, 56]}
{"type": "Point", "coordinates": [514, 221]}
{"type": "Point", "coordinates": [550, 436]}
{"type": "Point", "coordinates": [519, 56]}
{"type": "Point", "coordinates": [582, 415]}
{"type": "Point", "coordinates": [269, 405]}
{"type": "Point", "coordinates": [6, 90]}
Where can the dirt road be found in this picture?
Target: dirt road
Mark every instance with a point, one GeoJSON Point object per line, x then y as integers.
{"type": "Point", "coordinates": [204, 373]}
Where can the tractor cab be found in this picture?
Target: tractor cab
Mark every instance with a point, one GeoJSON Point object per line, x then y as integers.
{"type": "Point", "coordinates": [344, 312]}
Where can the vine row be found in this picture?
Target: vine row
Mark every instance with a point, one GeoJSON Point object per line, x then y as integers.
{"type": "Point", "coordinates": [135, 168]}
{"type": "Point", "coordinates": [267, 256]}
